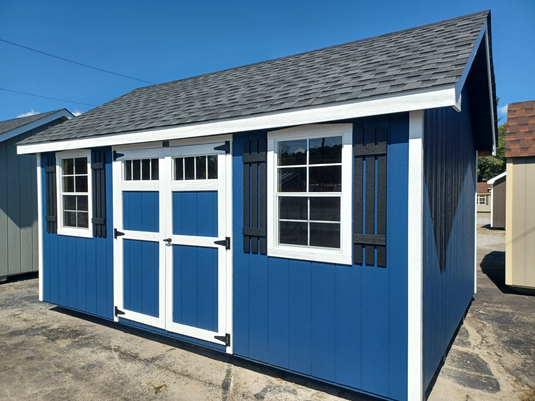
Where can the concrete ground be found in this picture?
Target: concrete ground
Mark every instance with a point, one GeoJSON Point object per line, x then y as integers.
{"type": "Point", "coordinates": [49, 353]}
{"type": "Point", "coordinates": [493, 355]}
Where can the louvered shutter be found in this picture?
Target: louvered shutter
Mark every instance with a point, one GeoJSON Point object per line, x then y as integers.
{"type": "Point", "coordinates": [369, 231]}
{"type": "Point", "coordinates": [49, 161]}
{"type": "Point", "coordinates": [98, 167]}
{"type": "Point", "coordinates": [255, 195]}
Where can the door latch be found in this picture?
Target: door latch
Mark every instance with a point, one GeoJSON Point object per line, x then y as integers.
{"type": "Point", "coordinates": [168, 240]}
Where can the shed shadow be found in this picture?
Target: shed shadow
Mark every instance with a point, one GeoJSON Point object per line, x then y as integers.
{"type": "Point", "coordinates": [493, 266]}
{"type": "Point", "coordinates": [226, 358]}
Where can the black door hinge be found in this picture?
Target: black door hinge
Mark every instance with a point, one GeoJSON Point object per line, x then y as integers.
{"type": "Point", "coordinates": [117, 233]}
{"type": "Point", "coordinates": [225, 339]}
{"type": "Point", "coordinates": [117, 155]}
{"type": "Point", "coordinates": [225, 242]}
{"type": "Point", "coordinates": [118, 312]}
{"type": "Point", "coordinates": [225, 147]}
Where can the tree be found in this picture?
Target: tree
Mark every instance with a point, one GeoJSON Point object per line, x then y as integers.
{"type": "Point", "coordinates": [490, 166]}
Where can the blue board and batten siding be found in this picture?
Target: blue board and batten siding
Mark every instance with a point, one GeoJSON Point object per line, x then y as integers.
{"type": "Point", "coordinates": [342, 324]}
{"type": "Point", "coordinates": [448, 229]}
{"type": "Point", "coordinates": [78, 272]}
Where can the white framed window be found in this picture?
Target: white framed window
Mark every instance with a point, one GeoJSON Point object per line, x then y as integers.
{"type": "Point", "coordinates": [309, 193]}
{"type": "Point", "coordinates": [482, 199]}
{"type": "Point", "coordinates": [73, 172]}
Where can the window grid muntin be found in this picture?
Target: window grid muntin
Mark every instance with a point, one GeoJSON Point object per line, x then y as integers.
{"type": "Point", "coordinates": [307, 193]}
{"type": "Point", "coordinates": [195, 158]}
{"type": "Point", "coordinates": [153, 173]}
{"type": "Point", "coordinates": [74, 193]}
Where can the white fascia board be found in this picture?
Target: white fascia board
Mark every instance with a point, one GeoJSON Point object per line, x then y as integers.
{"type": "Point", "coordinates": [28, 127]}
{"type": "Point", "coordinates": [493, 179]}
{"type": "Point", "coordinates": [415, 258]}
{"type": "Point", "coordinates": [409, 101]}
{"type": "Point", "coordinates": [491, 100]}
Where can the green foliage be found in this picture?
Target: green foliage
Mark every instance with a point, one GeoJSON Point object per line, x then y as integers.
{"type": "Point", "coordinates": [490, 166]}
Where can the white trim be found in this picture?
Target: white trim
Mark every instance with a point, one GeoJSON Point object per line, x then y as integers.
{"type": "Point", "coordinates": [415, 261]}
{"type": "Point", "coordinates": [165, 186]}
{"type": "Point", "coordinates": [34, 124]}
{"type": "Point", "coordinates": [74, 231]}
{"type": "Point", "coordinates": [494, 179]}
{"type": "Point", "coordinates": [442, 96]}
{"type": "Point", "coordinates": [491, 100]}
{"type": "Point", "coordinates": [39, 224]}
{"type": "Point", "coordinates": [475, 228]}
{"type": "Point", "coordinates": [460, 83]}
{"type": "Point", "coordinates": [338, 256]}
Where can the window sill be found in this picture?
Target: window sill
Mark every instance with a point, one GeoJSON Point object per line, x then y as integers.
{"type": "Point", "coordinates": [323, 255]}
{"type": "Point", "coordinates": [76, 232]}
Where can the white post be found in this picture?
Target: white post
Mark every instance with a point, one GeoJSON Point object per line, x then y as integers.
{"type": "Point", "coordinates": [415, 268]}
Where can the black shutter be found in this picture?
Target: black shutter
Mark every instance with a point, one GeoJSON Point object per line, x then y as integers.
{"type": "Point", "coordinates": [255, 195]}
{"type": "Point", "coordinates": [369, 149]}
{"type": "Point", "coordinates": [49, 162]}
{"type": "Point", "coordinates": [98, 164]}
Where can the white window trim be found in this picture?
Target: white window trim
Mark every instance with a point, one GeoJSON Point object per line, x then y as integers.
{"type": "Point", "coordinates": [337, 256]}
{"type": "Point", "coordinates": [74, 231]}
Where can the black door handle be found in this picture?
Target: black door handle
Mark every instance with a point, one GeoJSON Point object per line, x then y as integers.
{"type": "Point", "coordinates": [168, 240]}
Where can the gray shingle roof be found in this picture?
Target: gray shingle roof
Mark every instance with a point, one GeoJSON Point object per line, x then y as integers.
{"type": "Point", "coordinates": [419, 58]}
{"type": "Point", "coordinates": [9, 125]}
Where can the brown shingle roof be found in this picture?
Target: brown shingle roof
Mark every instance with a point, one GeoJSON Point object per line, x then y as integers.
{"type": "Point", "coordinates": [483, 187]}
{"type": "Point", "coordinates": [520, 139]}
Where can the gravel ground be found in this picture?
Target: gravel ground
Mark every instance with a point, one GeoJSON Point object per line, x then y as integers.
{"type": "Point", "coordinates": [49, 353]}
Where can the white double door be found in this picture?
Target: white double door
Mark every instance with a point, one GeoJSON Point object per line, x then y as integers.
{"type": "Point", "coordinates": [172, 223]}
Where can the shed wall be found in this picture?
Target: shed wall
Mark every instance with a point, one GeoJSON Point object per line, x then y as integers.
{"type": "Point", "coordinates": [520, 222]}
{"type": "Point", "coordinates": [342, 324]}
{"type": "Point", "coordinates": [498, 203]}
{"type": "Point", "coordinates": [18, 206]}
{"type": "Point", "coordinates": [78, 272]}
{"type": "Point", "coordinates": [448, 229]}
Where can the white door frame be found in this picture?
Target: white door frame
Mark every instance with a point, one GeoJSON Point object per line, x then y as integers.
{"type": "Point", "coordinates": [165, 185]}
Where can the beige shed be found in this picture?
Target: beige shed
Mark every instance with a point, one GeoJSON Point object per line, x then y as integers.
{"type": "Point", "coordinates": [520, 194]}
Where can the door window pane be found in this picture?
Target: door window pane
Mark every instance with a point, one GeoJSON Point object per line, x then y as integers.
{"type": "Point", "coordinates": [179, 168]}
{"type": "Point", "coordinates": [200, 167]}
{"type": "Point", "coordinates": [136, 170]}
{"type": "Point", "coordinates": [128, 170]}
{"type": "Point", "coordinates": [145, 169]}
{"type": "Point", "coordinates": [189, 168]}
{"type": "Point", "coordinates": [155, 169]}
{"type": "Point", "coordinates": [212, 167]}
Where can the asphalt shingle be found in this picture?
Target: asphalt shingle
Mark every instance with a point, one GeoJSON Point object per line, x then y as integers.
{"type": "Point", "coordinates": [419, 58]}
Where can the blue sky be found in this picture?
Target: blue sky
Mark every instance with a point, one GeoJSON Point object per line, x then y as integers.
{"type": "Point", "coordinates": [162, 41]}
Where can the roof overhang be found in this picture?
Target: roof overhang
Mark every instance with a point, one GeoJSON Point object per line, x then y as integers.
{"type": "Point", "coordinates": [444, 96]}
{"type": "Point", "coordinates": [35, 124]}
{"type": "Point", "coordinates": [478, 74]}
{"type": "Point", "coordinates": [494, 179]}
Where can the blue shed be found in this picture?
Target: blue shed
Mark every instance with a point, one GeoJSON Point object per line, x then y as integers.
{"type": "Point", "coordinates": [314, 213]}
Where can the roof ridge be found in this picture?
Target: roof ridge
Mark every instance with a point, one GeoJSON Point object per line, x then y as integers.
{"type": "Point", "coordinates": [467, 16]}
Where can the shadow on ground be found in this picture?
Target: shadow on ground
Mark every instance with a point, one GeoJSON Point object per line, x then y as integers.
{"type": "Point", "coordinates": [493, 266]}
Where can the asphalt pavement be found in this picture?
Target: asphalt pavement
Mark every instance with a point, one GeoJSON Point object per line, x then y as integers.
{"type": "Point", "coordinates": [50, 353]}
